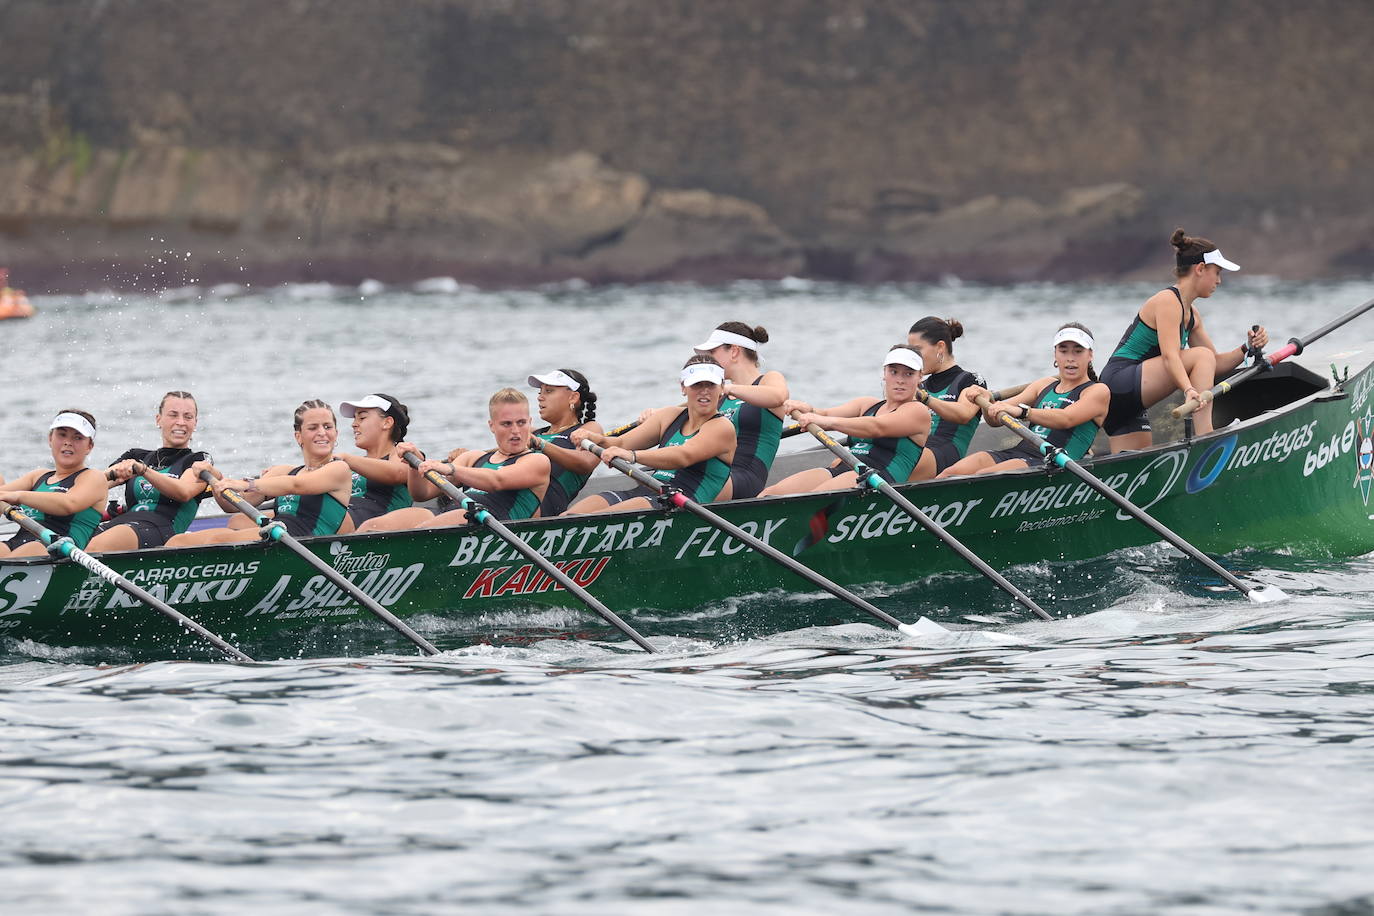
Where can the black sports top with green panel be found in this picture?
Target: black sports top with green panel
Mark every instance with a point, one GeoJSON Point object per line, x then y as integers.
{"type": "Point", "coordinates": [309, 514]}
{"type": "Point", "coordinates": [700, 482]}
{"type": "Point", "coordinates": [893, 457]}
{"type": "Point", "coordinates": [948, 440]}
{"type": "Point", "coordinates": [1141, 342]}
{"type": "Point", "coordinates": [369, 499]}
{"type": "Point", "coordinates": [757, 434]}
{"type": "Point", "coordinates": [1076, 440]}
{"type": "Point", "coordinates": [142, 496]}
{"type": "Point", "coordinates": [78, 526]}
{"type": "Point", "coordinates": [564, 483]}
{"type": "Point", "coordinates": [506, 505]}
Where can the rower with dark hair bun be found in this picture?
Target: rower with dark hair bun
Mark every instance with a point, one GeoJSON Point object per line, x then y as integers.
{"type": "Point", "coordinates": [1166, 349]}
{"type": "Point", "coordinates": [566, 403]}
{"type": "Point", "coordinates": [753, 403]}
{"type": "Point", "coordinates": [380, 476]}
{"type": "Point", "coordinates": [953, 420]}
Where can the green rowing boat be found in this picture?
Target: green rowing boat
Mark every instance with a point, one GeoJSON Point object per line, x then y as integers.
{"type": "Point", "coordinates": [1291, 473]}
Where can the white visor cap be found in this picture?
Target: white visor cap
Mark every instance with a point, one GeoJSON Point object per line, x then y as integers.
{"type": "Point", "coordinates": [73, 421]}
{"type": "Point", "coordinates": [1077, 335]}
{"type": "Point", "coordinates": [721, 338]}
{"type": "Point", "coordinates": [1215, 257]}
{"type": "Point", "coordinates": [904, 357]}
{"type": "Point", "coordinates": [697, 373]}
{"type": "Point", "coordinates": [349, 408]}
{"type": "Point", "coordinates": [558, 378]}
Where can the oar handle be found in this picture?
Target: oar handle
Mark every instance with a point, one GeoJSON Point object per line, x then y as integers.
{"type": "Point", "coordinates": [67, 548]}
{"type": "Point", "coordinates": [273, 529]}
{"type": "Point", "coordinates": [482, 515]}
{"type": "Point", "coordinates": [682, 502]}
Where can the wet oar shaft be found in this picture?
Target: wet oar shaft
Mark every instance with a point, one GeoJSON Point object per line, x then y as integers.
{"type": "Point", "coordinates": [935, 528]}
{"type": "Point", "coordinates": [745, 537]}
{"type": "Point", "coordinates": [274, 530]}
{"type": "Point", "coordinates": [480, 513]}
{"type": "Point", "coordinates": [68, 549]}
{"type": "Point", "coordinates": [1122, 502]}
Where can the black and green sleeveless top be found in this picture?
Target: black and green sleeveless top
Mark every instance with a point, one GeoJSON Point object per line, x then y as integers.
{"type": "Point", "coordinates": [310, 514]}
{"type": "Point", "coordinates": [895, 456]}
{"type": "Point", "coordinates": [758, 431]}
{"type": "Point", "coordinates": [1141, 342]}
{"type": "Point", "coordinates": [141, 496]}
{"type": "Point", "coordinates": [700, 482]}
{"type": "Point", "coordinates": [506, 505]}
{"type": "Point", "coordinates": [564, 483]}
{"type": "Point", "coordinates": [1074, 441]}
{"type": "Point", "coordinates": [369, 499]}
{"type": "Point", "coordinates": [79, 526]}
{"type": "Point", "coordinates": [947, 386]}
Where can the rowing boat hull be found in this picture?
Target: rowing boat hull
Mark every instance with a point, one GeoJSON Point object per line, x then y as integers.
{"type": "Point", "coordinates": [1286, 479]}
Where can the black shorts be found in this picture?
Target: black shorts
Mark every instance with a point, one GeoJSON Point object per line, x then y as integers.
{"type": "Point", "coordinates": [19, 539]}
{"type": "Point", "coordinates": [749, 481]}
{"type": "Point", "coordinates": [945, 454]}
{"type": "Point", "coordinates": [616, 497]}
{"type": "Point", "coordinates": [1127, 412]}
{"type": "Point", "coordinates": [840, 467]}
{"type": "Point", "coordinates": [1025, 451]}
{"type": "Point", "coordinates": [151, 529]}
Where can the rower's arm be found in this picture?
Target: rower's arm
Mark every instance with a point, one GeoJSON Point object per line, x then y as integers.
{"type": "Point", "coordinates": [910, 419]}
{"type": "Point", "coordinates": [646, 435]}
{"type": "Point", "coordinates": [378, 470]}
{"type": "Point", "coordinates": [959, 411]}
{"type": "Point", "coordinates": [1168, 315]}
{"type": "Point", "coordinates": [529, 472]}
{"type": "Point", "coordinates": [183, 489]}
{"type": "Point", "coordinates": [770, 393]}
{"type": "Point", "coordinates": [1092, 405]}
{"type": "Point", "coordinates": [324, 479]}
{"type": "Point", "coordinates": [577, 460]}
{"type": "Point", "coordinates": [715, 439]}
{"type": "Point", "coordinates": [89, 491]}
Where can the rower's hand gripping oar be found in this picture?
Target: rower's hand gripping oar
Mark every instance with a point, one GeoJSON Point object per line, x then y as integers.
{"type": "Point", "coordinates": [65, 547]}
{"type": "Point", "coordinates": [1294, 347]}
{"type": "Point", "coordinates": [479, 513]}
{"type": "Point", "coordinates": [796, 430]}
{"type": "Point", "coordinates": [1257, 593]}
{"type": "Point", "coordinates": [920, 628]}
{"type": "Point", "coordinates": [869, 478]}
{"type": "Point", "coordinates": [273, 530]}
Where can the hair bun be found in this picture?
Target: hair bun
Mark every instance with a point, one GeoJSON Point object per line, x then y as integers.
{"type": "Point", "coordinates": [760, 335]}
{"type": "Point", "coordinates": [956, 328]}
{"type": "Point", "coordinates": [1179, 239]}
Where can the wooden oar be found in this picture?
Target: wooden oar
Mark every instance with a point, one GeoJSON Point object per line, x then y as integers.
{"type": "Point", "coordinates": [1294, 347]}
{"type": "Point", "coordinates": [276, 531]}
{"type": "Point", "coordinates": [1256, 593]}
{"type": "Point", "coordinates": [871, 479]}
{"type": "Point", "coordinates": [744, 537]}
{"type": "Point", "coordinates": [67, 548]}
{"type": "Point", "coordinates": [479, 513]}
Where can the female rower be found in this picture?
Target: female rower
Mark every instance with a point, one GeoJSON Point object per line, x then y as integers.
{"type": "Point", "coordinates": [886, 433]}
{"type": "Point", "coordinates": [1066, 410]}
{"type": "Point", "coordinates": [510, 480]}
{"type": "Point", "coordinates": [689, 449]}
{"type": "Point", "coordinates": [953, 420]}
{"type": "Point", "coordinates": [1166, 348]}
{"type": "Point", "coordinates": [67, 498]}
{"type": "Point", "coordinates": [161, 489]}
{"type": "Point", "coordinates": [312, 497]}
{"type": "Point", "coordinates": [753, 403]}
{"type": "Point", "coordinates": [566, 403]}
{"type": "Point", "coordinates": [379, 474]}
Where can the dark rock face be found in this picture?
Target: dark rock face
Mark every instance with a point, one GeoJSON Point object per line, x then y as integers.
{"type": "Point", "coordinates": [518, 141]}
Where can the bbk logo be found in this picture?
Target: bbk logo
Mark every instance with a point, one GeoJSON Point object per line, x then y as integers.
{"type": "Point", "coordinates": [1328, 452]}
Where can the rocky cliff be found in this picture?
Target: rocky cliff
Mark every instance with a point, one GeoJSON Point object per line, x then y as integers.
{"type": "Point", "coordinates": [155, 142]}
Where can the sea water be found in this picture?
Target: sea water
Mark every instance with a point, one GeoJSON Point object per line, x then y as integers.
{"type": "Point", "coordinates": [1167, 749]}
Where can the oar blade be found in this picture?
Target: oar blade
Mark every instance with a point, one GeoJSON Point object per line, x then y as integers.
{"type": "Point", "coordinates": [1266, 594]}
{"type": "Point", "coordinates": [923, 627]}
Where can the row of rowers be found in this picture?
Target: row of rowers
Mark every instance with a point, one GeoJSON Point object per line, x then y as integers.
{"type": "Point", "coordinates": [718, 445]}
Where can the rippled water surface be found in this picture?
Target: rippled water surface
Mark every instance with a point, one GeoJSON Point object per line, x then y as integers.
{"type": "Point", "coordinates": [1168, 750]}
